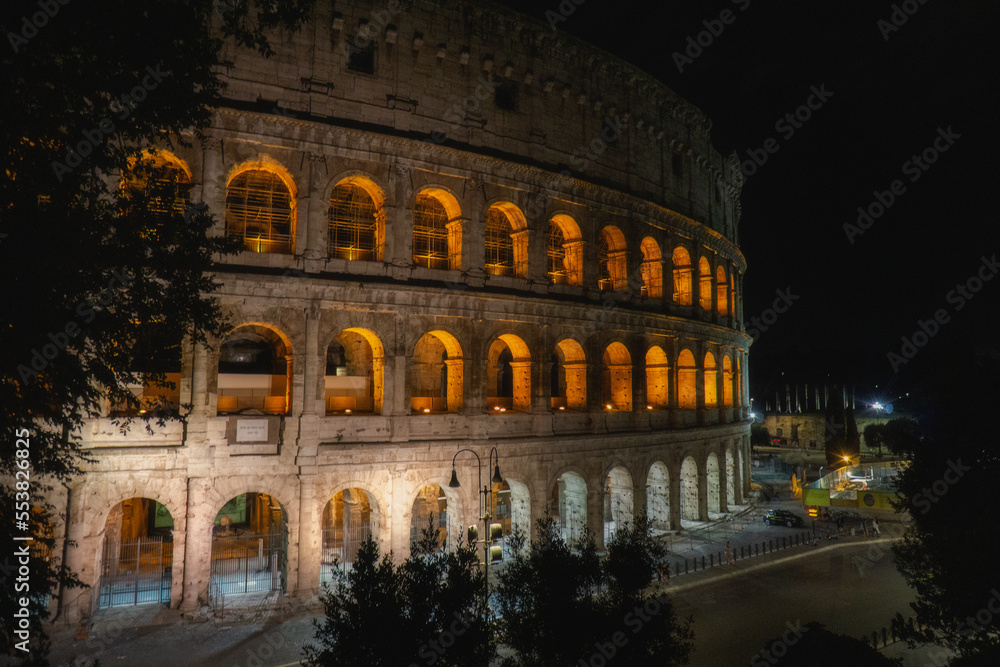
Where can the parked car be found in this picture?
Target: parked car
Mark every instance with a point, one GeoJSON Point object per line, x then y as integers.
{"type": "Point", "coordinates": [782, 517]}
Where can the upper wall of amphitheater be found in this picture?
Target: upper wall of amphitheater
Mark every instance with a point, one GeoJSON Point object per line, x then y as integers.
{"type": "Point", "coordinates": [471, 75]}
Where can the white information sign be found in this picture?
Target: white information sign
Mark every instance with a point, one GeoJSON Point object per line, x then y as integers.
{"type": "Point", "coordinates": [251, 430]}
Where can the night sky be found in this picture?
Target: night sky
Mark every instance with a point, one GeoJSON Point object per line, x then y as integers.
{"type": "Point", "coordinates": [893, 88]}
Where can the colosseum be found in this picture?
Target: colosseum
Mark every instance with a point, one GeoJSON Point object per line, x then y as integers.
{"type": "Point", "coordinates": [461, 230]}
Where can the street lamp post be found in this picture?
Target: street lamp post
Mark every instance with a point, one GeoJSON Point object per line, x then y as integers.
{"type": "Point", "coordinates": [485, 505]}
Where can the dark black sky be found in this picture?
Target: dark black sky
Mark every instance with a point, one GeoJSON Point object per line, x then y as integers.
{"type": "Point", "coordinates": [890, 97]}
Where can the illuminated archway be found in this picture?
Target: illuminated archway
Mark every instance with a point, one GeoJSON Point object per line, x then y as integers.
{"type": "Point", "coordinates": [652, 268]}
{"type": "Point", "coordinates": [687, 392]}
{"type": "Point", "coordinates": [513, 510]}
{"type": "Point", "coordinates": [508, 375]}
{"type": "Point", "coordinates": [657, 378]}
{"type": "Point", "coordinates": [437, 230]}
{"type": "Point", "coordinates": [430, 511]}
{"type": "Point", "coordinates": [436, 374]}
{"type": "Point", "coordinates": [260, 208]}
{"type": "Point", "coordinates": [156, 184]}
{"type": "Point", "coordinates": [136, 554]}
{"type": "Point", "coordinates": [612, 272]}
{"type": "Point", "coordinates": [568, 376]}
{"type": "Point", "coordinates": [711, 389]}
{"type": "Point", "coordinates": [682, 276]}
{"type": "Point", "coordinates": [704, 284]}
{"type": "Point", "coordinates": [355, 368]}
{"type": "Point", "coordinates": [349, 519]}
{"type": "Point", "coordinates": [616, 378]}
{"type": "Point", "coordinates": [506, 238]}
{"type": "Point", "coordinates": [618, 506]}
{"type": "Point", "coordinates": [356, 220]}
{"type": "Point", "coordinates": [565, 251]}
{"type": "Point", "coordinates": [249, 546]}
{"type": "Point", "coordinates": [569, 506]}
{"type": "Point", "coordinates": [254, 372]}
{"type": "Point", "coordinates": [721, 290]}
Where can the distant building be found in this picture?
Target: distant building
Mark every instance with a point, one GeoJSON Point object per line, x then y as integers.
{"type": "Point", "coordinates": [795, 415]}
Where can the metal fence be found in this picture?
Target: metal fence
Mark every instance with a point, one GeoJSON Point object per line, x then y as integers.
{"type": "Point", "coordinates": [249, 563]}
{"type": "Point", "coordinates": [340, 548]}
{"type": "Point", "coordinates": [741, 552]}
{"type": "Point", "coordinates": [135, 572]}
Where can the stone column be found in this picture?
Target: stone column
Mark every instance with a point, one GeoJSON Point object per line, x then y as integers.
{"type": "Point", "coordinates": [310, 526]}
{"type": "Point", "coordinates": [674, 493]}
{"type": "Point", "coordinates": [312, 225]}
{"type": "Point", "coordinates": [293, 382]}
{"type": "Point", "coordinates": [696, 309]}
{"type": "Point", "coordinates": [720, 395]}
{"type": "Point", "coordinates": [455, 390]}
{"type": "Point", "coordinates": [668, 276]}
{"type": "Point", "coordinates": [311, 366]}
{"type": "Point", "coordinates": [723, 485]}
{"type": "Point", "coordinates": [702, 491]}
{"type": "Point", "coordinates": [699, 385]}
{"type": "Point", "coordinates": [524, 396]}
{"type": "Point", "coordinates": [573, 261]}
{"type": "Point", "coordinates": [527, 261]}
{"type": "Point", "coordinates": [455, 249]}
{"type": "Point", "coordinates": [202, 401]}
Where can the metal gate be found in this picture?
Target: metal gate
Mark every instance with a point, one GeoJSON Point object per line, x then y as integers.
{"type": "Point", "coordinates": [340, 547]}
{"type": "Point", "coordinates": [135, 572]}
{"type": "Point", "coordinates": [252, 563]}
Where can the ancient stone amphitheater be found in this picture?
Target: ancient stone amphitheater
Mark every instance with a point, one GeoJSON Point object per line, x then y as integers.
{"type": "Point", "coordinates": [461, 230]}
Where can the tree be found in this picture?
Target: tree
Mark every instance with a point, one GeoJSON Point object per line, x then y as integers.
{"type": "Point", "coordinates": [759, 436]}
{"type": "Point", "coordinates": [431, 606]}
{"type": "Point", "coordinates": [948, 555]}
{"type": "Point", "coordinates": [100, 278]}
{"type": "Point", "coordinates": [560, 604]}
{"type": "Point", "coordinates": [874, 437]}
{"type": "Point", "coordinates": [812, 644]}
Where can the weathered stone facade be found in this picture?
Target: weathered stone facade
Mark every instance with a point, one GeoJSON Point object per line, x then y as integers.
{"type": "Point", "coordinates": [608, 364]}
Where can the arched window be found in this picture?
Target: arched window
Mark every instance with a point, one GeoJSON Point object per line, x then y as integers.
{"type": "Point", "coordinates": [437, 230]}
{"type": "Point", "coordinates": [355, 369]}
{"type": "Point", "coordinates": [506, 241]}
{"type": "Point", "coordinates": [356, 229]}
{"type": "Point", "coordinates": [253, 371]}
{"type": "Point", "coordinates": [499, 245]}
{"type": "Point", "coordinates": [727, 382]}
{"type": "Point", "coordinates": [657, 378]}
{"type": "Point", "coordinates": [652, 268]}
{"type": "Point", "coordinates": [721, 290]}
{"type": "Point", "coordinates": [611, 264]}
{"type": "Point", "coordinates": [687, 392]}
{"type": "Point", "coordinates": [436, 374]}
{"type": "Point", "coordinates": [565, 251]}
{"type": "Point", "coordinates": [556, 255]}
{"type": "Point", "coordinates": [705, 284]}
{"type": "Point", "coordinates": [508, 375]}
{"type": "Point", "coordinates": [711, 389]}
{"type": "Point", "coordinates": [682, 276]}
{"type": "Point", "coordinates": [158, 185]}
{"type": "Point", "coordinates": [260, 211]}
{"type": "Point", "coordinates": [568, 389]}
{"type": "Point", "coordinates": [616, 378]}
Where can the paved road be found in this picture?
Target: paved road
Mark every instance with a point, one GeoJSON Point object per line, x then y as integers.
{"type": "Point", "coordinates": [735, 615]}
